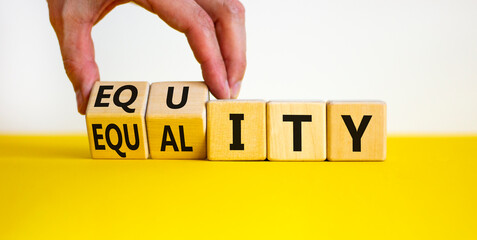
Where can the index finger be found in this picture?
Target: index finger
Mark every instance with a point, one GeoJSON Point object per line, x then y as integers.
{"type": "Point", "coordinates": [188, 17]}
{"type": "Point", "coordinates": [229, 18]}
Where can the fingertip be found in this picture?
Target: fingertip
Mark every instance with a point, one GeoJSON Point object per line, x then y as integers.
{"type": "Point", "coordinates": [235, 89]}
{"type": "Point", "coordinates": [82, 96]}
{"type": "Point", "coordinates": [80, 102]}
{"type": "Point", "coordinates": [215, 76]}
{"type": "Point", "coordinates": [220, 91]}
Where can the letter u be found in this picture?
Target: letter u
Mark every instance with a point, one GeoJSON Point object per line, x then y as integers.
{"type": "Point", "coordinates": [136, 137]}
{"type": "Point", "coordinates": [170, 93]}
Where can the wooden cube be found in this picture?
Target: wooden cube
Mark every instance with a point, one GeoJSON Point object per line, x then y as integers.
{"type": "Point", "coordinates": [236, 130]}
{"type": "Point", "coordinates": [296, 131]}
{"type": "Point", "coordinates": [115, 119]}
{"type": "Point", "coordinates": [176, 120]}
{"type": "Point", "coordinates": [356, 131]}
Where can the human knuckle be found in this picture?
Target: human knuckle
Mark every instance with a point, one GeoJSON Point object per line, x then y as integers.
{"type": "Point", "coordinates": [203, 20]}
{"type": "Point", "coordinates": [234, 7]}
{"type": "Point", "coordinates": [72, 14]}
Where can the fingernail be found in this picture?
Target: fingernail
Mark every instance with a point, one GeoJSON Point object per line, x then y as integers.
{"type": "Point", "coordinates": [235, 89]}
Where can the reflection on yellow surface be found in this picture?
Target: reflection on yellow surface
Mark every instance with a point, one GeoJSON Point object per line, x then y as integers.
{"type": "Point", "coordinates": [51, 189]}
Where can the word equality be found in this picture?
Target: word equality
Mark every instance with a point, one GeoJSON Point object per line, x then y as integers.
{"type": "Point", "coordinates": [176, 120]}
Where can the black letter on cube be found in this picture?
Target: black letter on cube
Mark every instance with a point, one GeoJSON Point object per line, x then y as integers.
{"type": "Point", "coordinates": [125, 105]}
{"type": "Point", "coordinates": [97, 136]}
{"type": "Point", "coordinates": [237, 131]}
{"type": "Point", "coordinates": [118, 145]}
{"type": "Point", "coordinates": [101, 95]}
{"type": "Point", "coordinates": [172, 142]}
{"type": "Point", "coordinates": [297, 120]}
{"type": "Point", "coordinates": [170, 92]}
{"type": "Point", "coordinates": [356, 135]}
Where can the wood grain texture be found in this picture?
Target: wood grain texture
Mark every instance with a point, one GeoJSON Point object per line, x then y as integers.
{"type": "Point", "coordinates": [115, 119]}
{"type": "Point", "coordinates": [220, 130]}
{"type": "Point", "coordinates": [340, 145]}
{"type": "Point", "coordinates": [184, 123]}
{"type": "Point", "coordinates": [301, 140]}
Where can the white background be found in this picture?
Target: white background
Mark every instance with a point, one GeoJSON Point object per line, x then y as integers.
{"type": "Point", "coordinates": [420, 56]}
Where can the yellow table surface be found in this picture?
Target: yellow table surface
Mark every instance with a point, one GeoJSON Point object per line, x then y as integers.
{"type": "Point", "coordinates": [51, 189]}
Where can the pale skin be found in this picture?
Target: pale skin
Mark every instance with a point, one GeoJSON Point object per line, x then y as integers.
{"type": "Point", "coordinates": [215, 30]}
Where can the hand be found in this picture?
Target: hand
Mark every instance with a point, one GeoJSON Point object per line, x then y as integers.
{"type": "Point", "coordinates": [215, 30]}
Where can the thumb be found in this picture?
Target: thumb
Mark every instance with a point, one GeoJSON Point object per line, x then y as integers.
{"type": "Point", "coordinates": [77, 50]}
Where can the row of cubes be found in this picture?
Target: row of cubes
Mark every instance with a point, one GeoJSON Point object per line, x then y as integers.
{"type": "Point", "coordinates": [176, 120]}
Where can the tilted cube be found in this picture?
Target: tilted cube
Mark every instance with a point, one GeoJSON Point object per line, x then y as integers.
{"type": "Point", "coordinates": [115, 119]}
{"type": "Point", "coordinates": [176, 120]}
